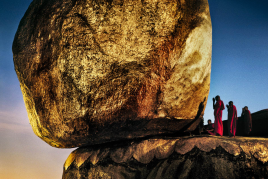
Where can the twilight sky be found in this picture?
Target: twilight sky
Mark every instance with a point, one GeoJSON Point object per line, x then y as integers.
{"type": "Point", "coordinates": [239, 73]}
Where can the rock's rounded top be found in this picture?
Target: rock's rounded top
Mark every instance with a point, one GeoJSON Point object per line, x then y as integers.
{"type": "Point", "coordinates": [99, 71]}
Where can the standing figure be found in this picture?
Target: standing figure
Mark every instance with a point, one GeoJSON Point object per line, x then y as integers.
{"type": "Point", "coordinates": [218, 107]}
{"type": "Point", "coordinates": [247, 120]}
{"type": "Point", "coordinates": [232, 118]}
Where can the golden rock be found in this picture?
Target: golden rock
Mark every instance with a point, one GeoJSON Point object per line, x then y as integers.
{"type": "Point", "coordinates": [100, 71]}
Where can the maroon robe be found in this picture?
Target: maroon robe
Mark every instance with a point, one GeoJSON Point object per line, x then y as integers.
{"type": "Point", "coordinates": [218, 126]}
{"type": "Point", "coordinates": [232, 118]}
{"type": "Point", "coordinates": [247, 120]}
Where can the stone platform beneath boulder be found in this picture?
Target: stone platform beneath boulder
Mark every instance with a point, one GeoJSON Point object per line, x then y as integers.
{"type": "Point", "coordinates": [199, 157]}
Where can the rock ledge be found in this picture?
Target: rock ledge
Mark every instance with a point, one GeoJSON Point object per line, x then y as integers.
{"type": "Point", "coordinates": [222, 157]}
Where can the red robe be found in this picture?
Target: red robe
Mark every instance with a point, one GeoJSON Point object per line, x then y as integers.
{"type": "Point", "coordinates": [232, 118]}
{"type": "Point", "coordinates": [218, 127]}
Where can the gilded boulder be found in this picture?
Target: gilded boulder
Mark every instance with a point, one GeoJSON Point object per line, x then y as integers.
{"type": "Point", "coordinates": [96, 71]}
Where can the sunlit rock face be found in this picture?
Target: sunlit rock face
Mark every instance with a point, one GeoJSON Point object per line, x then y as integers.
{"type": "Point", "coordinates": [96, 71]}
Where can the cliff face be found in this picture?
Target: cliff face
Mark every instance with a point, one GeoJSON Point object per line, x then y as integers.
{"type": "Point", "coordinates": [91, 69]}
{"type": "Point", "coordinates": [185, 157]}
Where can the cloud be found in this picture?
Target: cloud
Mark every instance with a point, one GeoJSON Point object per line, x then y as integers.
{"type": "Point", "coordinates": [15, 127]}
{"type": "Point", "coordinates": [15, 120]}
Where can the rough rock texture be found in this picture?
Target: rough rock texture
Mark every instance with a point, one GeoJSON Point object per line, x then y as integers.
{"type": "Point", "coordinates": [202, 157]}
{"type": "Point", "coordinates": [90, 69]}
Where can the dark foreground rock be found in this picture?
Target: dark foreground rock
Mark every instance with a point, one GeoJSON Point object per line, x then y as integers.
{"type": "Point", "coordinates": [94, 71]}
{"type": "Point", "coordinates": [185, 158]}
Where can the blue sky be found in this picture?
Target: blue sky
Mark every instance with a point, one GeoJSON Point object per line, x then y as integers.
{"type": "Point", "coordinates": [239, 54]}
{"type": "Point", "coordinates": [239, 73]}
{"type": "Point", "coordinates": [22, 154]}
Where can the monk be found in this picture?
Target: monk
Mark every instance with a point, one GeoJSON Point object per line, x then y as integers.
{"type": "Point", "coordinates": [210, 128]}
{"type": "Point", "coordinates": [247, 120]}
{"type": "Point", "coordinates": [218, 107]}
{"type": "Point", "coordinates": [232, 118]}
